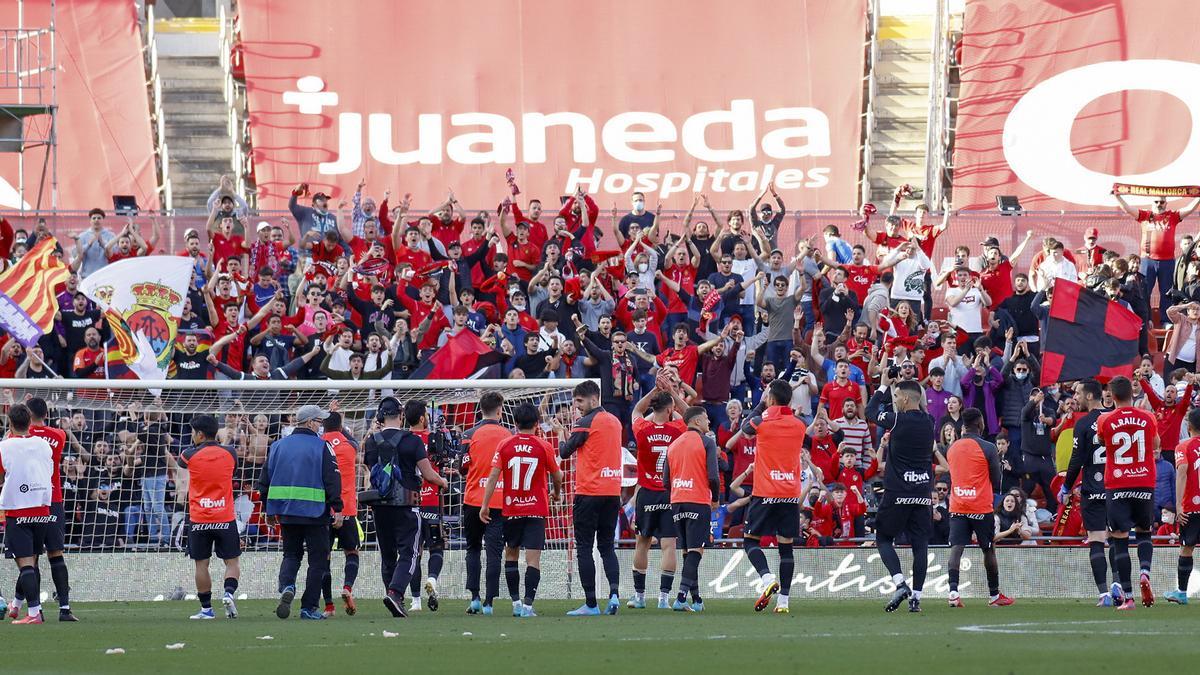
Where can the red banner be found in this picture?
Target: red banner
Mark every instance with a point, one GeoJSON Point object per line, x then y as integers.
{"type": "Point", "coordinates": [105, 143]}
{"type": "Point", "coordinates": [671, 98]}
{"type": "Point", "coordinates": [1062, 98]}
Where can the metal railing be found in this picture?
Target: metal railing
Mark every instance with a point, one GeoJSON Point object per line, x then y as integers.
{"type": "Point", "coordinates": [939, 80]}
{"type": "Point", "coordinates": [156, 110]}
{"type": "Point", "coordinates": [871, 87]}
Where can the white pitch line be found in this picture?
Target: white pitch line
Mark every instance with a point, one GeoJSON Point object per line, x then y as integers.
{"type": "Point", "coordinates": [1053, 628]}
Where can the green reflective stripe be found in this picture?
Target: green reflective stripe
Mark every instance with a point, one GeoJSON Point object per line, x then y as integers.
{"type": "Point", "coordinates": [304, 494]}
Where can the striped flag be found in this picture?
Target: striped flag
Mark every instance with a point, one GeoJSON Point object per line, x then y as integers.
{"type": "Point", "coordinates": [27, 296]}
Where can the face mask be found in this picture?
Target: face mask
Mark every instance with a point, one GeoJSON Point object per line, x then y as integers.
{"type": "Point", "coordinates": [643, 267]}
{"type": "Point", "coordinates": [1020, 376]}
{"type": "Point", "coordinates": [638, 205]}
{"type": "Point", "coordinates": [519, 307]}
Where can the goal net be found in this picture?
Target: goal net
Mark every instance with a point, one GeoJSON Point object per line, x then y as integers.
{"type": "Point", "coordinates": [126, 499]}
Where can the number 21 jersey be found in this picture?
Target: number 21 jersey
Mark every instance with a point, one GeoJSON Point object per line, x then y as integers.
{"type": "Point", "coordinates": [1130, 436]}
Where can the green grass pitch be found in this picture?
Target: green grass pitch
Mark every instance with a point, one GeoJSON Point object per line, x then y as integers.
{"type": "Point", "coordinates": [818, 636]}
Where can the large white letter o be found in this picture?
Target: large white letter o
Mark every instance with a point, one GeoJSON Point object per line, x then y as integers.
{"type": "Point", "coordinates": [1037, 133]}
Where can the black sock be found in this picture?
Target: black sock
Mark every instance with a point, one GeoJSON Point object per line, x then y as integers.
{"type": "Point", "coordinates": [533, 577]}
{"type": "Point", "coordinates": [351, 570]}
{"type": "Point", "coordinates": [953, 574]}
{"type": "Point", "coordinates": [666, 582]}
{"type": "Point", "coordinates": [1099, 565]}
{"type": "Point", "coordinates": [1145, 549]}
{"type": "Point", "coordinates": [639, 582]}
{"type": "Point", "coordinates": [691, 573]}
{"type": "Point", "coordinates": [414, 584]}
{"type": "Point", "coordinates": [18, 593]}
{"type": "Point", "coordinates": [757, 558]}
{"type": "Point", "coordinates": [512, 577]}
{"type": "Point", "coordinates": [436, 558]}
{"type": "Point", "coordinates": [28, 583]}
{"type": "Point", "coordinates": [787, 567]}
{"type": "Point", "coordinates": [231, 585]}
{"type": "Point", "coordinates": [1112, 559]}
{"type": "Point", "coordinates": [62, 581]}
{"type": "Point", "coordinates": [612, 569]}
{"type": "Point", "coordinates": [205, 600]}
{"type": "Point", "coordinates": [1123, 563]}
{"type": "Point", "coordinates": [327, 587]}
{"type": "Point", "coordinates": [1184, 572]}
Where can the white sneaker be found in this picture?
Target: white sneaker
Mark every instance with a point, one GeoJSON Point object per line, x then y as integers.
{"type": "Point", "coordinates": [230, 607]}
{"type": "Point", "coordinates": [415, 605]}
{"type": "Point", "coordinates": [203, 615]}
{"type": "Point", "coordinates": [431, 594]}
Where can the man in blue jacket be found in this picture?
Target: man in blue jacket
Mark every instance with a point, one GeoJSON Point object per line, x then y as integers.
{"type": "Point", "coordinates": [302, 487]}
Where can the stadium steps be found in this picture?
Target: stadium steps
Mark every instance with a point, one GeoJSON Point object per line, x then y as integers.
{"type": "Point", "coordinates": [901, 105]}
{"type": "Point", "coordinates": [195, 117]}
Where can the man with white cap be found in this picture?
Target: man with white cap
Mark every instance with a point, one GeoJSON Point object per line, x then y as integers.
{"type": "Point", "coordinates": [302, 485]}
{"type": "Point", "coordinates": [265, 251]}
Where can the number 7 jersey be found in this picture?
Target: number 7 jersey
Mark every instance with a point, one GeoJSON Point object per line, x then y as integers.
{"type": "Point", "coordinates": [1130, 437]}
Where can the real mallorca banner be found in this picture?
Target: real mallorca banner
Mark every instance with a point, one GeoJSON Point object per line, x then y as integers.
{"type": "Point", "coordinates": [142, 300]}
{"type": "Point", "coordinates": [671, 98]}
{"type": "Point", "coordinates": [1060, 100]}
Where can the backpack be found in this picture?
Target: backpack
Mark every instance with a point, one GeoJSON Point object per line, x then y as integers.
{"type": "Point", "coordinates": [384, 475]}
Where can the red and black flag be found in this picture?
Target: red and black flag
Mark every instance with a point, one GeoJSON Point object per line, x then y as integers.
{"type": "Point", "coordinates": [1088, 336]}
{"type": "Point", "coordinates": [463, 357]}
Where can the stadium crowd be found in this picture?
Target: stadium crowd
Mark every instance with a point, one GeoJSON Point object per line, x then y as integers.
{"type": "Point", "coordinates": [713, 305]}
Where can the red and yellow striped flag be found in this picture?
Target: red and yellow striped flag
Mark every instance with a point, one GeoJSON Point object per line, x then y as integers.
{"type": "Point", "coordinates": [27, 298]}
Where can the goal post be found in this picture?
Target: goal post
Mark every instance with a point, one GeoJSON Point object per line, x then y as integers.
{"type": "Point", "coordinates": [126, 499]}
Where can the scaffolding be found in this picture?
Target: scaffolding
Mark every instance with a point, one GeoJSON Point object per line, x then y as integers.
{"type": "Point", "coordinates": [29, 103]}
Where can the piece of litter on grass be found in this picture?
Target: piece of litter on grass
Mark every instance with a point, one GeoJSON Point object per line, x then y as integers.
{"type": "Point", "coordinates": [371, 634]}
{"type": "Point", "coordinates": [467, 633]}
{"type": "Point", "coordinates": [159, 598]}
{"type": "Point", "coordinates": [117, 650]}
{"type": "Point", "coordinates": [264, 637]}
{"type": "Point", "coordinates": [388, 633]}
{"type": "Point", "coordinates": [175, 645]}
{"type": "Point", "coordinates": [504, 635]}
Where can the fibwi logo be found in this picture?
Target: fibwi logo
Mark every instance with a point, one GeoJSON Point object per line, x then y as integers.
{"type": "Point", "coordinates": [609, 472]}
{"type": "Point", "coordinates": [210, 503]}
{"type": "Point", "coordinates": [960, 491]}
{"type": "Point", "coordinates": [776, 474]}
{"type": "Point", "coordinates": [630, 137]}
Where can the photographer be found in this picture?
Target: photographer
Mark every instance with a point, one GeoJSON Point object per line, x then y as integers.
{"type": "Point", "coordinates": [1037, 452]}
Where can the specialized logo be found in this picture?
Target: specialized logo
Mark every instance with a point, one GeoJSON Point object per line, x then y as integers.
{"type": "Point", "coordinates": [632, 137]}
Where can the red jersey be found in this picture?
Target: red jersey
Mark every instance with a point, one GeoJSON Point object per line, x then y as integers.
{"type": "Point", "coordinates": [1187, 460]}
{"type": "Point", "coordinates": [269, 254]}
{"type": "Point", "coordinates": [1130, 436]}
{"type": "Point", "coordinates": [527, 253]}
{"type": "Point", "coordinates": [859, 278]}
{"type": "Point", "coordinates": [998, 283]}
{"type": "Point", "coordinates": [236, 348]}
{"type": "Point", "coordinates": [887, 244]}
{"type": "Point", "coordinates": [347, 462]}
{"type": "Point", "coordinates": [1158, 233]}
{"type": "Point", "coordinates": [684, 360]}
{"type": "Point", "coordinates": [653, 439]}
{"type": "Point", "coordinates": [836, 395]}
{"type": "Point", "coordinates": [447, 233]}
{"type": "Point", "coordinates": [524, 460]}
{"type": "Point", "coordinates": [57, 438]}
{"type": "Point", "coordinates": [685, 276]}
{"type": "Point", "coordinates": [210, 482]}
{"type": "Point", "coordinates": [224, 248]}
{"type": "Point", "coordinates": [743, 453]}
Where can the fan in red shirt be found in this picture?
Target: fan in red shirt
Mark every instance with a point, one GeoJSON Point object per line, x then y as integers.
{"type": "Point", "coordinates": [1169, 410]}
{"type": "Point", "coordinates": [423, 307]}
{"type": "Point", "coordinates": [859, 277]}
{"type": "Point", "coordinates": [524, 460]}
{"type": "Point", "coordinates": [265, 251]}
{"type": "Point", "coordinates": [839, 516]}
{"type": "Point", "coordinates": [848, 473]}
{"type": "Point", "coordinates": [537, 231]}
{"type": "Point", "coordinates": [683, 355]}
{"type": "Point", "coordinates": [523, 255]}
{"type": "Point", "coordinates": [1130, 437]}
{"type": "Point", "coordinates": [822, 442]}
{"type": "Point", "coordinates": [224, 243]}
{"type": "Point", "coordinates": [448, 220]}
{"type": "Point", "coordinates": [581, 225]}
{"type": "Point", "coordinates": [840, 389]}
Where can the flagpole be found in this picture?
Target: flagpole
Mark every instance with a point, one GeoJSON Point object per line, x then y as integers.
{"type": "Point", "coordinates": [44, 364]}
